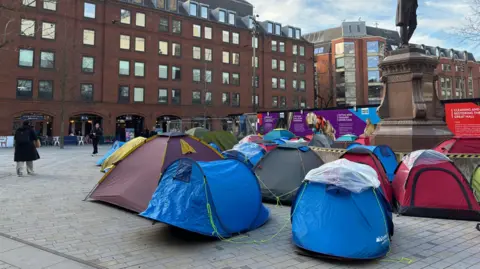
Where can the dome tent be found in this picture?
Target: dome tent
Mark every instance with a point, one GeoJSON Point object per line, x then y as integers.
{"type": "Point", "coordinates": [321, 141]}
{"type": "Point", "coordinates": [249, 153]}
{"type": "Point", "coordinates": [278, 134]}
{"type": "Point", "coordinates": [219, 198]}
{"type": "Point", "coordinates": [385, 155]}
{"type": "Point", "coordinates": [115, 146]}
{"type": "Point", "coordinates": [332, 198]}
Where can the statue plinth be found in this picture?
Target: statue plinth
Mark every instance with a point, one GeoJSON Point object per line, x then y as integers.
{"type": "Point", "coordinates": [411, 112]}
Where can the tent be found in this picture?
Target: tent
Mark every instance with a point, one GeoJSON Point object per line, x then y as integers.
{"type": "Point", "coordinates": [340, 212]}
{"type": "Point", "coordinates": [250, 138]}
{"type": "Point", "coordinates": [197, 132]}
{"type": "Point", "coordinates": [278, 134]}
{"type": "Point", "coordinates": [132, 181]}
{"type": "Point", "coordinates": [428, 184]}
{"type": "Point", "coordinates": [219, 198]}
{"type": "Point", "coordinates": [122, 152]}
{"type": "Point", "coordinates": [364, 155]}
{"type": "Point", "coordinates": [282, 170]}
{"type": "Point", "coordinates": [385, 155]}
{"type": "Point", "coordinates": [214, 146]}
{"type": "Point", "coordinates": [223, 139]}
{"type": "Point", "coordinates": [321, 141]}
{"type": "Point", "coordinates": [347, 138]}
{"type": "Point", "coordinates": [267, 145]}
{"type": "Point", "coordinates": [460, 145]}
{"type": "Point", "coordinates": [364, 140]}
{"type": "Point", "coordinates": [249, 153]}
{"type": "Point", "coordinates": [115, 146]}
{"type": "Point", "coordinates": [476, 182]}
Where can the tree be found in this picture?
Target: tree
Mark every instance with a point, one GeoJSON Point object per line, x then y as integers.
{"type": "Point", "coordinates": [325, 100]}
{"type": "Point", "coordinates": [326, 95]}
{"type": "Point", "coordinates": [470, 30]}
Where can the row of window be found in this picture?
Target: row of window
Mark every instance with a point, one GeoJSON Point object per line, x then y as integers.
{"type": "Point", "coordinates": [280, 83]}
{"type": "Point", "coordinates": [281, 102]}
{"type": "Point", "coordinates": [446, 83]}
{"type": "Point", "coordinates": [47, 4]}
{"type": "Point", "coordinates": [28, 28]}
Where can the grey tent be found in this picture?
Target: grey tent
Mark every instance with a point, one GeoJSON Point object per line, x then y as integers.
{"type": "Point", "coordinates": [321, 141]}
{"type": "Point", "coordinates": [282, 170]}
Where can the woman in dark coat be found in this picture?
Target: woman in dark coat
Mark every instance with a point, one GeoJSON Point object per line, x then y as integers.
{"type": "Point", "coordinates": [25, 148]}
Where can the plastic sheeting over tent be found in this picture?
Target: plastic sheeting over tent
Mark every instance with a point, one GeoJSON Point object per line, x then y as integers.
{"type": "Point", "coordinates": [122, 152]}
{"type": "Point", "coordinates": [115, 146]}
{"type": "Point", "coordinates": [386, 156]}
{"type": "Point", "coordinates": [340, 212]}
{"type": "Point", "coordinates": [428, 184]}
{"type": "Point", "coordinates": [249, 153]}
{"type": "Point", "coordinates": [460, 145]}
{"type": "Point", "coordinates": [282, 171]}
{"type": "Point", "coordinates": [131, 182]}
{"type": "Point", "coordinates": [278, 134]}
{"type": "Point", "coordinates": [347, 138]}
{"type": "Point", "coordinates": [219, 198]}
{"type": "Point", "coordinates": [251, 138]}
{"type": "Point", "coordinates": [321, 141]}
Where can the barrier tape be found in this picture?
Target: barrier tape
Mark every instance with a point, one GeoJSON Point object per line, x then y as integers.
{"type": "Point", "coordinates": [401, 154]}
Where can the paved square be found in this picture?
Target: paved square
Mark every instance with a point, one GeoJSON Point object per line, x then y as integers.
{"type": "Point", "coordinates": [47, 211]}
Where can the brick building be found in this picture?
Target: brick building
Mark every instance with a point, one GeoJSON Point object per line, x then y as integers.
{"type": "Point", "coordinates": [141, 63]}
{"type": "Point", "coordinates": [347, 59]}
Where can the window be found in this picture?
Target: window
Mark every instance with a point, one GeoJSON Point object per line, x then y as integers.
{"type": "Point", "coordinates": [274, 45]}
{"type": "Point", "coordinates": [226, 98]}
{"type": "Point", "coordinates": [270, 28]}
{"type": "Point", "coordinates": [163, 71]}
{"type": "Point", "coordinates": [172, 5]}
{"type": "Point", "coordinates": [123, 94]}
{"type": "Point", "coordinates": [257, 80]}
{"type": "Point", "coordinates": [231, 18]}
{"type": "Point", "coordinates": [29, 3]}
{"type": "Point", "coordinates": [345, 48]}
{"type": "Point", "coordinates": [125, 16]}
{"type": "Point", "coordinates": [204, 12]}
{"type": "Point", "coordinates": [278, 30]}
{"type": "Point", "coordinates": [282, 84]}
{"type": "Point", "coordinates": [281, 46]}
{"type": "Point", "coordinates": [208, 98]}
{"type": "Point", "coordinates": [297, 33]}
{"type": "Point", "coordinates": [372, 47]}
{"type": "Point", "coordinates": [275, 101]}
{"type": "Point", "coordinates": [162, 96]}
{"type": "Point", "coordinates": [88, 64]}
{"type": "Point", "coordinates": [140, 20]}
{"type": "Point", "coordinates": [138, 94]}
{"type": "Point", "coordinates": [290, 32]}
{"type": "Point", "coordinates": [47, 59]}
{"type": "Point", "coordinates": [45, 89]}
{"type": "Point", "coordinates": [256, 61]}
{"type": "Point", "coordinates": [236, 79]}
{"type": "Point", "coordinates": [374, 95]}
{"type": "Point", "coordinates": [222, 16]}
{"type": "Point", "coordinates": [302, 68]}
{"type": "Point", "coordinates": [176, 97]}
{"type": "Point", "coordinates": [125, 42]}
{"type": "Point", "coordinates": [197, 53]}
{"type": "Point", "coordinates": [88, 37]}
{"type": "Point", "coordinates": [196, 75]}
{"type": "Point", "coordinates": [163, 47]}
{"type": "Point", "coordinates": [88, 10]}
{"type": "Point", "coordinates": [225, 78]}
{"type": "Point", "coordinates": [226, 57]}
{"type": "Point", "coordinates": [319, 51]}
{"type": "Point", "coordinates": [274, 83]}
{"type": "Point", "coordinates": [208, 76]}
{"type": "Point", "coordinates": [294, 49]}
{"type": "Point", "coordinates": [86, 92]}
{"type": "Point", "coordinates": [303, 102]}
{"type": "Point", "coordinates": [294, 69]}
{"type": "Point", "coordinates": [235, 99]}
{"type": "Point", "coordinates": [302, 51]}
{"type": "Point", "coordinates": [282, 65]}
{"type": "Point", "coordinates": [302, 85]}
{"type": "Point", "coordinates": [295, 102]}
{"type": "Point", "coordinates": [446, 67]}
{"type": "Point", "coordinates": [235, 38]}
{"type": "Point", "coordinates": [140, 44]}
{"type": "Point", "coordinates": [24, 88]}
{"type": "Point", "coordinates": [255, 42]}
{"type": "Point", "coordinates": [207, 32]}
{"type": "Point", "coordinates": [294, 84]}
{"type": "Point", "coordinates": [373, 76]}
{"type": "Point", "coordinates": [124, 68]}
{"type": "Point", "coordinates": [193, 9]}
{"type": "Point", "coordinates": [176, 27]}
{"type": "Point", "coordinates": [27, 28]}
{"type": "Point", "coordinates": [25, 57]}
{"type": "Point", "coordinates": [163, 25]}
{"type": "Point", "coordinates": [255, 100]}
{"type": "Point", "coordinates": [226, 36]}
{"type": "Point", "coordinates": [373, 61]}
{"type": "Point", "coordinates": [235, 58]}
{"type": "Point", "coordinates": [48, 30]}
{"type": "Point", "coordinates": [139, 69]}
{"type": "Point", "coordinates": [274, 64]}
{"type": "Point", "coordinates": [176, 50]}
{"type": "Point", "coordinates": [196, 97]}
{"type": "Point", "coordinates": [340, 63]}
{"type": "Point", "coordinates": [50, 4]}
{"type": "Point", "coordinates": [176, 73]}
{"type": "Point", "coordinates": [208, 55]}
{"type": "Point", "coordinates": [197, 30]}
{"type": "Point", "coordinates": [283, 101]}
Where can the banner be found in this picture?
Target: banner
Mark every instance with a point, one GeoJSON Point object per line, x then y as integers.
{"type": "Point", "coordinates": [129, 134]}
{"type": "Point", "coordinates": [463, 119]}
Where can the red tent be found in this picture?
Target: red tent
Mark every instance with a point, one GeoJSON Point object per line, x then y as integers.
{"type": "Point", "coordinates": [363, 140]}
{"type": "Point", "coordinates": [460, 145]}
{"type": "Point", "coordinates": [365, 156]}
{"type": "Point", "coordinates": [428, 184]}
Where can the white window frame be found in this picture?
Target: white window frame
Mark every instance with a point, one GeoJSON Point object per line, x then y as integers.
{"type": "Point", "coordinates": [140, 19]}
{"type": "Point", "coordinates": [197, 27]}
{"type": "Point", "coordinates": [50, 5]}
{"type": "Point", "coordinates": [160, 51]}
{"type": "Point", "coordinates": [138, 41]}
{"type": "Point", "coordinates": [27, 25]}
{"type": "Point", "coordinates": [87, 31]}
{"type": "Point", "coordinates": [235, 38]}
{"type": "Point", "coordinates": [47, 30]}
{"type": "Point", "coordinates": [138, 91]}
{"type": "Point", "coordinates": [226, 36]}
{"type": "Point", "coordinates": [208, 32]}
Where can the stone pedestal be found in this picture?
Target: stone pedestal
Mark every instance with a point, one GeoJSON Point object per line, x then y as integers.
{"type": "Point", "coordinates": [411, 112]}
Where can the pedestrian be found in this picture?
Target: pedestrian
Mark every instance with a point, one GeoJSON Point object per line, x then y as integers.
{"type": "Point", "coordinates": [26, 143]}
{"type": "Point", "coordinates": [95, 135]}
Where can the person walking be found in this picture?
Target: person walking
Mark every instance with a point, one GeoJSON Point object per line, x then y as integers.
{"type": "Point", "coordinates": [26, 143]}
{"type": "Point", "coordinates": [95, 135]}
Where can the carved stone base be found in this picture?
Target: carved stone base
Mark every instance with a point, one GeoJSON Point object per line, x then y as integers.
{"type": "Point", "coordinates": [410, 135]}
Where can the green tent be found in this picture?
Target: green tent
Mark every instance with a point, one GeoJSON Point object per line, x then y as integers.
{"type": "Point", "coordinates": [225, 140]}
{"type": "Point", "coordinates": [476, 183]}
{"type": "Point", "coordinates": [198, 132]}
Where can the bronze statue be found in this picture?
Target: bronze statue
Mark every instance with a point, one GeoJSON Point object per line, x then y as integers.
{"type": "Point", "coordinates": [407, 19]}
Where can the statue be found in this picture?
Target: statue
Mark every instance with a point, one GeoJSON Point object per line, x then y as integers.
{"type": "Point", "coordinates": [407, 19]}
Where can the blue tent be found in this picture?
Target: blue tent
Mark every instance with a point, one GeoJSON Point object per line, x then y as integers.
{"type": "Point", "coordinates": [249, 153]}
{"type": "Point", "coordinates": [115, 146]}
{"type": "Point", "coordinates": [278, 134]}
{"type": "Point", "coordinates": [386, 156]}
{"type": "Point", "coordinates": [347, 138]}
{"type": "Point", "coordinates": [339, 211]}
{"type": "Point", "coordinates": [217, 148]}
{"type": "Point", "coordinates": [219, 198]}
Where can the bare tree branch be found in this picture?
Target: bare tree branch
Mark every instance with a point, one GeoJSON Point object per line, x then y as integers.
{"type": "Point", "coordinates": [470, 30]}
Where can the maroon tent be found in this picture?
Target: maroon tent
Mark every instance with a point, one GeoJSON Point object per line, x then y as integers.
{"type": "Point", "coordinates": [131, 183]}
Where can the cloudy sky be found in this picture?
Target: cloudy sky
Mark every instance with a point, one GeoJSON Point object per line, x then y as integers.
{"type": "Point", "coordinates": [436, 18]}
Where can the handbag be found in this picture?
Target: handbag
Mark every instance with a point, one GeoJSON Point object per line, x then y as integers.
{"type": "Point", "coordinates": [37, 143]}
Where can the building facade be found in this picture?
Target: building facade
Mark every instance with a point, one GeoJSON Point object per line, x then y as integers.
{"type": "Point", "coordinates": [347, 72]}
{"type": "Point", "coordinates": [140, 64]}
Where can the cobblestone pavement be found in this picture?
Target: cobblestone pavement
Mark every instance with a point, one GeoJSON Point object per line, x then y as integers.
{"type": "Point", "coordinates": [47, 211]}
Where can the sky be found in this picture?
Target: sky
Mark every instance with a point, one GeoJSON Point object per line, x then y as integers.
{"type": "Point", "coordinates": [437, 19]}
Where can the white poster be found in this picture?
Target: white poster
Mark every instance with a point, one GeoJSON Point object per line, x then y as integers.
{"type": "Point", "coordinates": [6, 141]}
